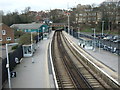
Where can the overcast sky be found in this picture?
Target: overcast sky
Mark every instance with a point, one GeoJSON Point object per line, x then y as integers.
{"type": "Point", "coordinates": [37, 5]}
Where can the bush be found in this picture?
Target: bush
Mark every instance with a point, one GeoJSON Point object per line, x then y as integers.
{"type": "Point", "coordinates": [26, 39]}
{"type": "Point", "coordinates": [14, 47]}
{"type": "Point", "coordinates": [18, 34]}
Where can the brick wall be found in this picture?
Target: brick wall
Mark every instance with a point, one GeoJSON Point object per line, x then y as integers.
{"type": "Point", "coordinates": [9, 33]}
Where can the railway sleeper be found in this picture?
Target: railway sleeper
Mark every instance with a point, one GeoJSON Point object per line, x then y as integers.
{"type": "Point", "coordinates": [68, 84]}
{"type": "Point", "coordinates": [95, 84]}
{"type": "Point", "coordinates": [80, 66]}
{"type": "Point", "coordinates": [65, 80]}
{"type": "Point", "coordinates": [93, 81]}
{"type": "Point", "coordinates": [89, 77]}
{"type": "Point", "coordinates": [85, 73]}
{"type": "Point", "coordinates": [83, 70]}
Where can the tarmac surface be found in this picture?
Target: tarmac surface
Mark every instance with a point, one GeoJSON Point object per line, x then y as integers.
{"type": "Point", "coordinates": [34, 75]}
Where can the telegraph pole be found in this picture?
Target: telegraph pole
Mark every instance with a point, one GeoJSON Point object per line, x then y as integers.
{"type": "Point", "coordinates": [68, 23]}
{"type": "Point", "coordinates": [68, 14]}
{"type": "Point", "coordinates": [102, 27]}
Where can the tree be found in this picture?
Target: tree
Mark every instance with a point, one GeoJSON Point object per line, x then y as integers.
{"type": "Point", "coordinates": [73, 16]}
{"type": "Point", "coordinates": [58, 16]}
{"type": "Point", "coordinates": [27, 9]}
{"type": "Point", "coordinates": [26, 39]}
{"type": "Point", "coordinates": [109, 14]}
{"type": "Point", "coordinates": [15, 17]}
{"type": "Point", "coordinates": [18, 34]}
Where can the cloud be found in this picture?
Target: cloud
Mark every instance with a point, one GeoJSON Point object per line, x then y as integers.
{"type": "Point", "coordinates": [12, 5]}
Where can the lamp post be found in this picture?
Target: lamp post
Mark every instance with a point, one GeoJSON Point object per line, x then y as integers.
{"type": "Point", "coordinates": [38, 35]}
{"type": "Point", "coordinates": [8, 64]}
{"type": "Point", "coordinates": [31, 42]}
{"type": "Point", "coordinates": [72, 30]}
{"type": "Point", "coordinates": [94, 39]}
{"type": "Point", "coordinates": [50, 23]}
{"type": "Point", "coordinates": [99, 45]}
{"type": "Point", "coordinates": [68, 23]}
{"type": "Point", "coordinates": [64, 28]}
{"type": "Point", "coordinates": [38, 38]}
{"type": "Point", "coordinates": [78, 32]}
{"type": "Point", "coordinates": [32, 46]}
{"type": "Point", "coordinates": [102, 27]}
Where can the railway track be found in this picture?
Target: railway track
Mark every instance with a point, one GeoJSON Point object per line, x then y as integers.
{"type": "Point", "coordinates": [71, 72]}
{"type": "Point", "coordinates": [63, 78]}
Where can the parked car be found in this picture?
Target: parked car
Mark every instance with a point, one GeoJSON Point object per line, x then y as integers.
{"type": "Point", "coordinates": [100, 45]}
{"type": "Point", "coordinates": [114, 38]}
{"type": "Point", "coordinates": [116, 41]}
{"type": "Point", "coordinates": [117, 51]}
{"type": "Point", "coordinates": [108, 37]}
{"type": "Point", "coordinates": [105, 47]}
{"type": "Point", "coordinates": [101, 36]}
{"type": "Point", "coordinates": [109, 48]}
{"type": "Point", "coordinates": [113, 50]}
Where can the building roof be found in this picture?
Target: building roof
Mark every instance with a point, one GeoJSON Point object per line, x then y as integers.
{"type": "Point", "coordinates": [27, 26]}
{"type": "Point", "coordinates": [4, 25]}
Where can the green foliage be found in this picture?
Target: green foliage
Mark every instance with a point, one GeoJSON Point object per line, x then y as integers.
{"type": "Point", "coordinates": [112, 32]}
{"type": "Point", "coordinates": [14, 47]}
{"type": "Point", "coordinates": [15, 17]}
{"type": "Point", "coordinates": [26, 39]}
{"type": "Point", "coordinates": [18, 34]}
{"type": "Point", "coordinates": [57, 16]}
{"type": "Point", "coordinates": [87, 30]}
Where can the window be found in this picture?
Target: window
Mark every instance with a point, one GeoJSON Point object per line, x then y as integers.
{"type": "Point", "coordinates": [8, 38]}
{"type": "Point", "coordinates": [0, 39]}
{"type": "Point", "coordinates": [3, 32]}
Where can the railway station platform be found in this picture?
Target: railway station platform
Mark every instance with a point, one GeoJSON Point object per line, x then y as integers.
{"type": "Point", "coordinates": [107, 59]}
{"type": "Point", "coordinates": [39, 74]}
{"type": "Point", "coordinates": [35, 74]}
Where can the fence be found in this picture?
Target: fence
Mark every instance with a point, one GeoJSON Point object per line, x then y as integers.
{"type": "Point", "coordinates": [40, 37]}
{"type": "Point", "coordinates": [0, 73]}
{"type": "Point", "coordinates": [18, 53]}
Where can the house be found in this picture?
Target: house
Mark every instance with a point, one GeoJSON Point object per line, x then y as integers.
{"type": "Point", "coordinates": [87, 15]}
{"type": "Point", "coordinates": [6, 34]}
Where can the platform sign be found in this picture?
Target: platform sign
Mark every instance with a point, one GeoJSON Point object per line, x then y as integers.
{"type": "Point", "coordinates": [13, 74]}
